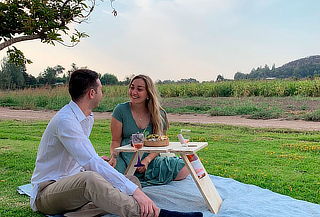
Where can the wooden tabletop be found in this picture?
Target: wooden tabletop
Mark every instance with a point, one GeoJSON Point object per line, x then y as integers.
{"type": "Point", "coordinates": [173, 147]}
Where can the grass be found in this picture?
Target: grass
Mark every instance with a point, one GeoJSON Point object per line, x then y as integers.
{"type": "Point", "coordinates": [312, 116]}
{"type": "Point", "coordinates": [283, 161]}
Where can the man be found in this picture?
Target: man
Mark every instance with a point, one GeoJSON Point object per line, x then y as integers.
{"type": "Point", "coordinates": [69, 173]}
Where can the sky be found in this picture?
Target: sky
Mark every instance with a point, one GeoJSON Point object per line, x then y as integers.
{"type": "Point", "coordinates": [175, 39]}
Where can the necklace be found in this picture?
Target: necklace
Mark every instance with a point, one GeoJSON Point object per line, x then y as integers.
{"type": "Point", "coordinates": [142, 118]}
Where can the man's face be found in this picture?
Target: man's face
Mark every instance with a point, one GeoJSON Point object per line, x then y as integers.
{"type": "Point", "coordinates": [98, 94]}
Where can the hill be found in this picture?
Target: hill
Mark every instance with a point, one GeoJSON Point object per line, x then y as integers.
{"type": "Point", "coordinates": [301, 68]}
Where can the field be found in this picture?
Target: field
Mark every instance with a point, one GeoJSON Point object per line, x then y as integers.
{"type": "Point", "coordinates": [253, 99]}
{"type": "Point", "coordinates": [283, 161]}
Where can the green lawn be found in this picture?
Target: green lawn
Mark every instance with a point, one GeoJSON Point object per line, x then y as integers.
{"type": "Point", "coordinates": [283, 161]}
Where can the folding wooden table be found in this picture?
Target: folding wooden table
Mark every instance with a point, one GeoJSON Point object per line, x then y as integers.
{"type": "Point", "coordinates": [204, 184]}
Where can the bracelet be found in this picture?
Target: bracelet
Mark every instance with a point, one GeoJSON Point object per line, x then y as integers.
{"type": "Point", "coordinates": [148, 160]}
{"type": "Point", "coordinates": [114, 154]}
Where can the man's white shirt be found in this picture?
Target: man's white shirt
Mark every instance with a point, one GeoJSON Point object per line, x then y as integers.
{"type": "Point", "coordinates": [65, 150]}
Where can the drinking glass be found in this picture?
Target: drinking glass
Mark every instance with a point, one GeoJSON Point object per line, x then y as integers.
{"type": "Point", "coordinates": [137, 142]}
{"type": "Point", "coordinates": [186, 133]}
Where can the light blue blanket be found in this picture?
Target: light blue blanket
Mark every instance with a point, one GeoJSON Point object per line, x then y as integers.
{"type": "Point", "coordinates": [239, 200]}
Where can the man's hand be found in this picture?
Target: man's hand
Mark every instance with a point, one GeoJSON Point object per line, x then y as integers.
{"type": "Point", "coordinates": [147, 207]}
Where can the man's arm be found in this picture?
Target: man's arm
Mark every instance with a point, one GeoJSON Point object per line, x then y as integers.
{"type": "Point", "coordinates": [147, 206]}
{"type": "Point", "coordinates": [78, 145]}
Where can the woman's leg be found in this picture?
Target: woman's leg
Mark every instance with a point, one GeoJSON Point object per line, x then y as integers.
{"type": "Point", "coordinates": [183, 173]}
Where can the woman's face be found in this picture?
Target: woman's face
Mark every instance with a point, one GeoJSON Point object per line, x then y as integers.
{"type": "Point", "coordinates": [137, 91]}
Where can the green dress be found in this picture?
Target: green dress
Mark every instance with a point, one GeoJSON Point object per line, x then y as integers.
{"type": "Point", "coordinates": [161, 170]}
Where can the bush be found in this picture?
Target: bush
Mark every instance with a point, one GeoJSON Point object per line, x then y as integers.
{"type": "Point", "coordinates": [312, 116]}
{"type": "Point", "coordinates": [267, 113]}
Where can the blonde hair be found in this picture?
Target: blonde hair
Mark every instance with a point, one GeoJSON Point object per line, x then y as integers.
{"type": "Point", "coordinates": [159, 122]}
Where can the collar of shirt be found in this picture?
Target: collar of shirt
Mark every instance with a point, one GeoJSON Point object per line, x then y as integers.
{"type": "Point", "coordinates": [77, 111]}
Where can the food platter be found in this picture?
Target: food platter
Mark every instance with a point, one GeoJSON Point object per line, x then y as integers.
{"type": "Point", "coordinates": [159, 143]}
{"type": "Point", "coordinates": [154, 140]}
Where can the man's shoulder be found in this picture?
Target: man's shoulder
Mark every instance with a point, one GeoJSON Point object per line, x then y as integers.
{"type": "Point", "coordinates": [65, 114]}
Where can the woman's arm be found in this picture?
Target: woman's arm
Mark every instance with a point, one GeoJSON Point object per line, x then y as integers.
{"type": "Point", "coordinates": [146, 162]}
{"type": "Point", "coordinates": [116, 133]}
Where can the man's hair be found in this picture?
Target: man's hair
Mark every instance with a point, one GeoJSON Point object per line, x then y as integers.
{"type": "Point", "coordinates": [81, 81]}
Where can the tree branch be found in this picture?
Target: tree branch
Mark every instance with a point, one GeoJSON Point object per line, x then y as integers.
{"type": "Point", "coordinates": [18, 39]}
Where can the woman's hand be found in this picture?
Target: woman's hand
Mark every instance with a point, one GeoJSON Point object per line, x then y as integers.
{"type": "Point", "coordinates": [142, 169]}
{"type": "Point", "coordinates": [113, 161]}
{"type": "Point", "coordinates": [105, 158]}
{"type": "Point", "coordinates": [116, 132]}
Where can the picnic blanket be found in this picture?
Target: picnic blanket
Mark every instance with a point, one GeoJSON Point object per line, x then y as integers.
{"type": "Point", "coordinates": [239, 200]}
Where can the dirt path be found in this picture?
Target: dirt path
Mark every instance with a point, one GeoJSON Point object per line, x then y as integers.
{"type": "Point", "coordinates": [11, 114]}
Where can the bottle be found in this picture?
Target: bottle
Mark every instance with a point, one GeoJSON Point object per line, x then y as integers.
{"type": "Point", "coordinates": [194, 160]}
{"type": "Point", "coordinates": [197, 165]}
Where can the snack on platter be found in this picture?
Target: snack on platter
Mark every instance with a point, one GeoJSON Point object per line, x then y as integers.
{"type": "Point", "coordinates": [154, 140]}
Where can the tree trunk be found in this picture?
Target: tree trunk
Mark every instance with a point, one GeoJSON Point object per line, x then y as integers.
{"type": "Point", "coordinates": [18, 39]}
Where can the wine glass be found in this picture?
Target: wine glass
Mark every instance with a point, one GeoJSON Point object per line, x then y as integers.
{"type": "Point", "coordinates": [137, 142]}
{"type": "Point", "coordinates": [186, 133]}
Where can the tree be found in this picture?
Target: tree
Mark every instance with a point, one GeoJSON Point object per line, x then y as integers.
{"type": "Point", "coordinates": [189, 80]}
{"type": "Point", "coordinates": [11, 75]}
{"type": "Point", "coordinates": [23, 20]}
{"type": "Point", "coordinates": [109, 79]}
{"type": "Point", "coordinates": [127, 80]}
{"type": "Point", "coordinates": [240, 76]}
{"type": "Point", "coordinates": [50, 75]}
{"type": "Point", "coordinates": [220, 78]}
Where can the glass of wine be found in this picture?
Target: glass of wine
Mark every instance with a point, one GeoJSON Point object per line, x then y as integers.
{"type": "Point", "coordinates": [186, 133]}
{"type": "Point", "coordinates": [137, 142]}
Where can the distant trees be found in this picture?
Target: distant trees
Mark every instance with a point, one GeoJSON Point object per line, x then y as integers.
{"type": "Point", "coordinates": [109, 79]}
{"type": "Point", "coordinates": [50, 75]}
{"type": "Point", "coordinates": [165, 82]}
{"type": "Point", "coordinates": [259, 73]}
{"type": "Point", "coordinates": [183, 80]}
{"type": "Point", "coordinates": [11, 76]}
{"type": "Point", "coordinates": [14, 76]}
{"type": "Point", "coordinates": [220, 78]}
{"type": "Point", "coordinates": [302, 68]}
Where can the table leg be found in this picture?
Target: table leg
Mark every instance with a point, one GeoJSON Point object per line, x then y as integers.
{"type": "Point", "coordinates": [206, 187]}
{"type": "Point", "coordinates": [131, 169]}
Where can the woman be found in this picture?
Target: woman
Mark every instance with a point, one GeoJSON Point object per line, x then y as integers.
{"type": "Point", "coordinates": [143, 114]}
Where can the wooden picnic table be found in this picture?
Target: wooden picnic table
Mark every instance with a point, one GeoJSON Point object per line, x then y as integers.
{"type": "Point", "coordinates": [204, 184]}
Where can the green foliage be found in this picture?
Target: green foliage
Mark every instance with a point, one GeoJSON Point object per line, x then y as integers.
{"type": "Point", "coordinates": [181, 98]}
{"type": "Point", "coordinates": [243, 88]}
{"type": "Point", "coordinates": [45, 20]}
{"type": "Point", "coordinates": [301, 68]}
{"type": "Point", "coordinates": [282, 161]}
{"type": "Point", "coordinates": [312, 116]}
{"type": "Point", "coordinates": [11, 75]}
{"type": "Point", "coordinates": [50, 74]}
{"type": "Point", "coordinates": [17, 57]}
{"type": "Point", "coordinates": [267, 113]}
{"type": "Point", "coordinates": [107, 79]}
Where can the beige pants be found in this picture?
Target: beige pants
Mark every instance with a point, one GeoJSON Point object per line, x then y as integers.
{"type": "Point", "coordinates": [72, 193]}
